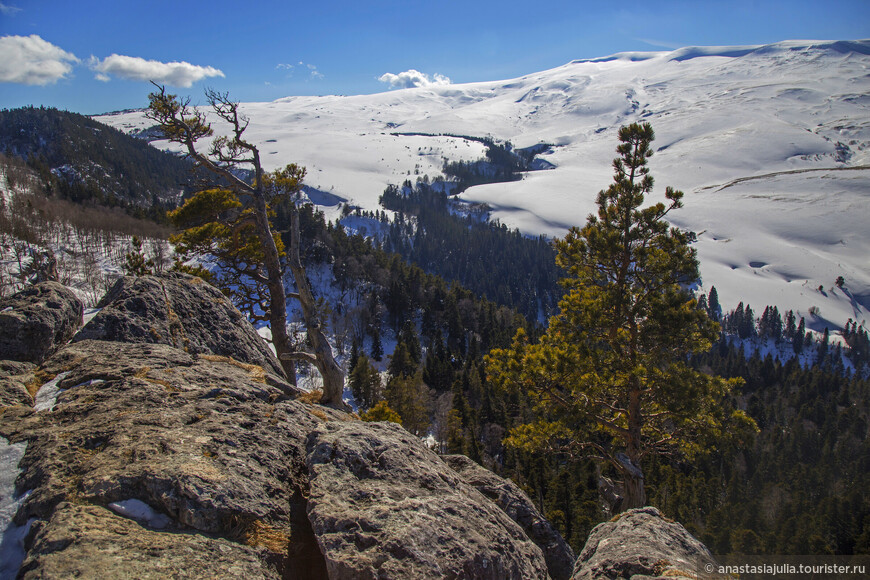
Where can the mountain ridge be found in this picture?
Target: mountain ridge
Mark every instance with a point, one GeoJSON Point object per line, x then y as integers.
{"type": "Point", "coordinates": [688, 52]}
{"type": "Point", "coordinates": [765, 110]}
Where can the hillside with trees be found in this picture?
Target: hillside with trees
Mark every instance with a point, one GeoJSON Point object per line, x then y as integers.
{"type": "Point", "coordinates": [87, 162]}
{"type": "Point", "coordinates": [413, 340]}
{"type": "Point", "coordinates": [85, 244]}
{"type": "Point", "coordinates": [457, 242]}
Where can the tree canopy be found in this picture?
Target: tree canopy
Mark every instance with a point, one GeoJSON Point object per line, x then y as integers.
{"type": "Point", "coordinates": [229, 218]}
{"type": "Point", "coordinates": [610, 378]}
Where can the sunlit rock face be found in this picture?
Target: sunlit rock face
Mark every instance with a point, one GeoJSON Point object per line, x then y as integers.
{"type": "Point", "coordinates": [161, 458]}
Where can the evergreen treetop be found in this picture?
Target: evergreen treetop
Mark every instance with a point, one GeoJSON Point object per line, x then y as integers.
{"type": "Point", "coordinates": [609, 377]}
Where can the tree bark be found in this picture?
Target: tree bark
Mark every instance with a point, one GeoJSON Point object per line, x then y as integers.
{"type": "Point", "coordinates": [330, 370]}
{"type": "Point", "coordinates": [635, 494]}
{"type": "Point", "coordinates": [181, 125]}
{"type": "Point", "coordinates": [277, 294]}
{"type": "Point", "coordinates": [632, 482]}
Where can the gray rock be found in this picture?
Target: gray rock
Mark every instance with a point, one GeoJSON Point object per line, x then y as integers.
{"type": "Point", "coordinates": [181, 311]}
{"type": "Point", "coordinates": [204, 440]}
{"type": "Point", "coordinates": [516, 504]}
{"type": "Point", "coordinates": [37, 321]}
{"type": "Point", "coordinates": [14, 378]}
{"type": "Point", "coordinates": [162, 412]}
{"type": "Point", "coordinates": [641, 543]}
{"type": "Point", "coordinates": [383, 506]}
{"type": "Point", "coordinates": [88, 541]}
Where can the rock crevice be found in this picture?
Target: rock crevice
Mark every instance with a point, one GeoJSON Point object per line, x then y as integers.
{"type": "Point", "coordinates": [174, 448]}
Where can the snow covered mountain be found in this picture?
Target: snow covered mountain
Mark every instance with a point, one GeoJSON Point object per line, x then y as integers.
{"type": "Point", "coordinates": [771, 145]}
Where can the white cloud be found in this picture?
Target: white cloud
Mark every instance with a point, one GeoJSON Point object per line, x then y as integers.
{"type": "Point", "coordinates": [30, 60]}
{"type": "Point", "coordinates": [8, 10]}
{"type": "Point", "coordinates": [413, 78]}
{"type": "Point", "coordinates": [178, 74]}
{"type": "Point", "coordinates": [314, 73]}
{"type": "Point", "coordinates": [290, 68]}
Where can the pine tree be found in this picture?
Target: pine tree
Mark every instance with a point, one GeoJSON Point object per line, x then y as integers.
{"type": "Point", "coordinates": [770, 325]}
{"type": "Point", "coordinates": [713, 304]}
{"type": "Point", "coordinates": [797, 342]}
{"type": "Point", "coordinates": [609, 377]}
{"type": "Point", "coordinates": [401, 362]}
{"type": "Point", "coordinates": [823, 346]}
{"type": "Point", "coordinates": [408, 335]}
{"type": "Point", "coordinates": [354, 354]}
{"type": "Point", "coordinates": [455, 434]}
{"type": "Point", "coordinates": [233, 215]}
{"type": "Point", "coordinates": [775, 323]}
{"type": "Point", "coordinates": [735, 319]}
{"type": "Point", "coordinates": [365, 383]}
{"type": "Point", "coordinates": [746, 329]}
{"type": "Point", "coordinates": [409, 396]}
{"type": "Point", "coordinates": [790, 327]}
{"type": "Point", "coordinates": [135, 263]}
{"type": "Point", "coordinates": [377, 346]}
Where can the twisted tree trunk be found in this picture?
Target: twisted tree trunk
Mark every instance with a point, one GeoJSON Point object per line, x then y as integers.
{"type": "Point", "coordinates": [277, 293]}
{"type": "Point", "coordinates": [321, 357]}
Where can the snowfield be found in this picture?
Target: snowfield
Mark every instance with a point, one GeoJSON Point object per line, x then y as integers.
{"type": "Point", "coordinates": [771, 145]}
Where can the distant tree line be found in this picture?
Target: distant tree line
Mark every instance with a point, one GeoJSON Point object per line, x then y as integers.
{"type": "Point", "coordinates": [487, 257]}
{"type": "Point", "coordinates": [87, 162]}
{"type": "Point", "coordinates": [35, 227]}
{"type": "Point", "coordinates": [790, 330]}
{"type": "Point", "coordinates": [801, 489]}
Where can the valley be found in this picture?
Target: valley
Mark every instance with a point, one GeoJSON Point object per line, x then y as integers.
{"type": "Point", "coordinates": [777, 123]}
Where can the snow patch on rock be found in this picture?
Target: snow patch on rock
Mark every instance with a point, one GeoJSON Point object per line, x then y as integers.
{"type": "Point", "coordinates": [140, 511]}
{"type": "Point", "coordinates": [46, 397]}
{"type": "Point", "coordinates": [11, 535]}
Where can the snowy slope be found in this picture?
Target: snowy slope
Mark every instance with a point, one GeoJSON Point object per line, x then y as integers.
{"type": "Point", "coordinates": [771, 145]}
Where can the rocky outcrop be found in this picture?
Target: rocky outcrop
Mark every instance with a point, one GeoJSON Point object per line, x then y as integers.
{"type": "Point", "coordinates": [153, 459]}
{"type": "Point", "coordinates": [14, 379]}
{"type": "Point", "coordinates": [37, 320]}
{"type": "Point", "coordinates": [95, 544]}
{"type": "Point", "coordinates": [384, 506]}
{"type": "Point", "coordinates": [641, 543]}
{"type": "Point", "coordinates": [181, 311]}
{"type": "Point", "coordinates": [204, 441]}
{"type": "Point", "coordinates": [517, 505]}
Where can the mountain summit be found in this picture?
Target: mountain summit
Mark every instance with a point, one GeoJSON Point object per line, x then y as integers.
{"type": "Point", "coordinates": [771, 145]}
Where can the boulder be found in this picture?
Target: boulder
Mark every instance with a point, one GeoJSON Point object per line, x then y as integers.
{"type": "Point", "coordinates": [15, 376]}
{"type": "Point", "coordinates": [91, 542]}
{"type": "Point", "coordinates": [382, 505]}
{"type": "Point", "coordinates": [36, 321]}
{"type": "Point", "coordinates": [516, 504]}
{"type": "Point", "coordinates": [641, 543]}
{"type": "Point", "coordinates": [181, 311]}
{"type": "Point", "coordinates": [204, 441]}
{"type": "Point", "coordinates": [156, 450]}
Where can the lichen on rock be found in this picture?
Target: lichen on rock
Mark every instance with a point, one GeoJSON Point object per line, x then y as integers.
{"type": "Point", "coordinates": [160, 458]}
{"type": "Point", "coordinates": [36, 321]}
{"type": "Point", "coordinates": [181, 311]}
{"type": "Point", "coordinates": [641, 543]}
{"type": "Point", "coordinates": [384, 506]}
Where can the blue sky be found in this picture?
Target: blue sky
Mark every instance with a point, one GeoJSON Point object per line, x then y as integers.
{"type": "Point", "coordinates": [97, 56]}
